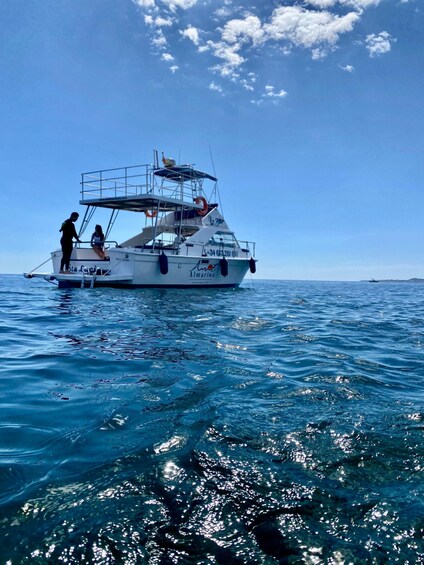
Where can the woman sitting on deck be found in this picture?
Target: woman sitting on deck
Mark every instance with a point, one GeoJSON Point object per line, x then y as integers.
{"type": "Point", "coordinates": [98, 242]}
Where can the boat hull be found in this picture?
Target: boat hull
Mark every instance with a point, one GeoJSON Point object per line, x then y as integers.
{"type": "Point", "coordinates": [132, 268]}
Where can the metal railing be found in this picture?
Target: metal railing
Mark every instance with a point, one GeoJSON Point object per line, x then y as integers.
{"type": "Point", "coordinates": [136, 180]}
{"type": "Point", "coordinates": [115, 183]}
{"type": "Point", "coordinates": [88, 243]}
{"type": "Point", "coordinates": [243, 252]}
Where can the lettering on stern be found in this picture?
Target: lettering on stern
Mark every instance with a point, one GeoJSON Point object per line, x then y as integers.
{"type": "Point", "coordinates": [202, 271]}
{"type": "Point", "coordinates": [85, 270]}
{"type": "Point", "coordinates": [221, 253]}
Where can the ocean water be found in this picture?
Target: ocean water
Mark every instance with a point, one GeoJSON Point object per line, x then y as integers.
{"type": "Point", "coordinates": [282, 422]}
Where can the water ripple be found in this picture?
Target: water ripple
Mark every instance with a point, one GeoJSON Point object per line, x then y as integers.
{"type": "Point", "coordinates": [276, 424]}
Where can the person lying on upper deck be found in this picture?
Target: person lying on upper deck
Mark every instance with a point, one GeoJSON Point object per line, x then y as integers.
{"type": "Point", "coordinates": [98, 242]}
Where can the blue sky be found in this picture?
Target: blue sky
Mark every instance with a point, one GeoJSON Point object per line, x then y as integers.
{"type": "Point", "coordinates": [312, 111]}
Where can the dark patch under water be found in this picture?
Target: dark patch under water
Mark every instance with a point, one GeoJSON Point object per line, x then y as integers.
{"type": "Point", "coordinates": [282, 422]}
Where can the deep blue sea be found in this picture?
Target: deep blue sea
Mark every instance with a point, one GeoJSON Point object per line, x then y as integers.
{"type": "Point", "coordinates": [282, 422]}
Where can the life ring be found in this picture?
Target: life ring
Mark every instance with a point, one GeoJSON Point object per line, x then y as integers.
{"type": "Point", "coordinates": [151, 214]}
{"type": "Point", "coordinates": [201, 200]}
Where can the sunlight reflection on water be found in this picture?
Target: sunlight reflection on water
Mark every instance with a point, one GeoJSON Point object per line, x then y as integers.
{"type": "Point", "coordinates": [276, 424]}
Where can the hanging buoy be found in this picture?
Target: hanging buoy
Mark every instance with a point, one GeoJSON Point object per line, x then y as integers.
{"type": "Point", "coordinates": [224, 266]}
{"type": "Point", "coordinates": [252, 265]}
{"type": "Point", "coordinates": [151, 214]}
{"type": "Point", "coordinates": [163, 263]}
{"type": "Point", "coordinates": [204, 210]}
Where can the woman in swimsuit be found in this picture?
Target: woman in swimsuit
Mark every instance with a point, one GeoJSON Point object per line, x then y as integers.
{"type": "Point", "coordinates": [98, 242]}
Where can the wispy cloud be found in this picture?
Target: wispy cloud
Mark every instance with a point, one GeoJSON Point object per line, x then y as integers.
{"type": "Point", "coordinates": [243, 30]}
{"type": "Point", "coordinates": [308, 28]}
{"type": "Point", "coordinates": [248, 83]}
{"type": "Point", "coordinates": [379, 44]}
{"type": "Point", "coordinates": [167, 57]}
{"type": "Point", "coordinates": [270, 92]}
{"type": "Point", "coordinates": [347, 68]}
{"type": "Point", "coordinates": [183, 4]}
{"type": "Point", "coordinates": [357, 4]}
{"type": "Point", "coordinates": [215, 87]}
{"type": "Point", "coordinates": [191, 33]}
{"type": "Point", "coordinates": [222, 12]}
{"type": "Point", "coordinates": [289, 26]}
{"type": "Point", "coordinates": [145, 3]}
{"type": "Point", "coordinates": [315, 26]}
{"type": "Point", "coordinates": [159, 40]}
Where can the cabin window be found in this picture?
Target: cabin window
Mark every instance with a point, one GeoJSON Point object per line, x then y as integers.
{"type": "Point", "coordinates": [223, 239]}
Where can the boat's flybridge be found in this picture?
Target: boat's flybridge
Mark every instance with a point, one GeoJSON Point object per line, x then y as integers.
{"type": "Point", "coordinates": [144, 188]}
{"type": "Point", "coordinates": [184, 240]}
{"type": "Point", "coordinates": [173, 198]}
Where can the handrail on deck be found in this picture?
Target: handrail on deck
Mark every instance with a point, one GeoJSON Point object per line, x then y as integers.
{"type": "Point", "coordinates": [108, 241]}
{"type": "Point", "coordinates": [137, 180]}
{"type": "Point", "coordinates": [117, 169]}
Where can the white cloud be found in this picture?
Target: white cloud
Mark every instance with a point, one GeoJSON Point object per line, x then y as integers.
{"type": "Point", "coordinates": [230, 56]}
{"type": "Point", "coordinates": [145, 3]}
{"type": "Point", "coordinates": [235, 33]}
{"type": "Point", "coordinates": [246, 85]}
{"type": "Point", "coordinates": [318, 31]}
{"type": "Point", "coordinates": [322, 3]}
{"type": "Point", "coordinates": [191, 33]}
{"type": "Point", "coordinates": [248, 82]}
{"type": "Point", "coordinates": [314, 25]}
{"type": "Point", "coordinates": [222, 12]}
{"type": "Point", "coordinates": [167, 57]}
{"type": "Point", "coordinates": [215, 87]}
{"type": "Point", "coordinates": [271, 93]}
{"type": "Point", "coordinates": [158, 21]}
{"type": "Point", "coordinates": [378, 44]}
{"type": "Point", "coordinates": [183, 4]}
{"type": "Point", "coordinates": [174, 68]}
{"type": "Point", "coordinates": [161, 22]}
{"type": "Point", "coordinates": [319, 53]}
{"type": "Point", "coordinates": [249, 29]}
{"type": "Point", "coordinates": [308, 28]}
{"type": "Point", "coordinates": [159, 40]}
{"type": "Point", "coordinates": [172, 5]}
{"type": "Point", "coordinates": [360, 4]}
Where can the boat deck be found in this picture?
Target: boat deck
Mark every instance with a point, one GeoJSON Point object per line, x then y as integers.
{"type": "Point", "coordinates": [141, 188]}
{"type": "Point", "coordinates": [141, 203]}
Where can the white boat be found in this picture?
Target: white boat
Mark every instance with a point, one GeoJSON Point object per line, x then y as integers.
{"type": "Point", "coordinates": [185, 241]}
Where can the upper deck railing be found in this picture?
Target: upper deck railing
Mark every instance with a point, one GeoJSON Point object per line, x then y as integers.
{"type": "Point", "coordinates": [180, 183]}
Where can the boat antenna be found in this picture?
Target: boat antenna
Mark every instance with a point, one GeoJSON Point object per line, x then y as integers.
{"type": "Point", "coordinates": [215, 190]}
{"type": "Point", "coordinates": [213, 164]}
